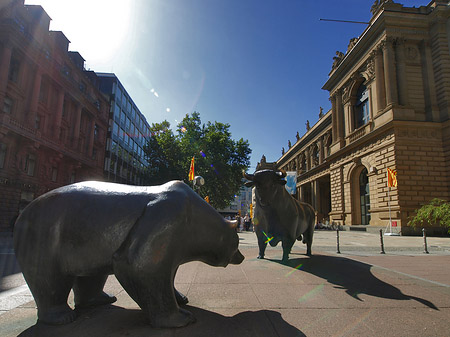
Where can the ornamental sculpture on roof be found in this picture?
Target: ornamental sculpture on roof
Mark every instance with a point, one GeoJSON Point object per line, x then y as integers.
{"type": "Point", "coordinates": [337, 59]}
{"type": "Point", "coordinates": [377, 4]}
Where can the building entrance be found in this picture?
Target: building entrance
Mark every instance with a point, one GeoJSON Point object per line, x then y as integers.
{"type": "Point", "coordinates": [364, 197]}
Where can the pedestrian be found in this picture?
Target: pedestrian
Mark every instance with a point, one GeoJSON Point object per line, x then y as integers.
{"type": "Point", "coordinates": [241, 223]}
{"type": "Point", "coordinates": [247, 222]}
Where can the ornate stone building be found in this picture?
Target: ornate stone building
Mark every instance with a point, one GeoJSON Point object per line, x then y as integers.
{"type": "Point", "coordinates": [390, 95]}
{"type": "Point", "coordinates": [53, 118]}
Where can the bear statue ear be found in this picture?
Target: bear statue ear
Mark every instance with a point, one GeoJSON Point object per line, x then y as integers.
{"type": "Point", "coordinates": [232, 223]}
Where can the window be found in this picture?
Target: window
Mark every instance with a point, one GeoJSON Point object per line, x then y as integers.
{"type": "Point", "coordinates": [122, 135]}
{"type": "Point", "coordinates": [8, 105]}
{"type": "Point", "coordinates": [129, 106]}
{"type": "Point", "coordinates": [43, 92]}
{"type": "Point", "coordinates": [30, 164]}
{"type": "Point", "coordinates": [113, 147]}
{"type": "Point", "coordinates": [116, 129]}
{"type": "Point", "coordinates": [96, 131]}
{"type": "Point", "coordinates": [117, 112]}
{"type": "Point", "coordinates": [14, 68]}
{"type": "Point", "coordinates": [122, 119]}
{"type": "Point", "coordinates": [54, 173]}
{"type": "Point", "coordinates": [2, 155]}
{"type": "Point", "coordinates": [65, 70]}
{"type": "Point", "coordinates": [64, 109]}
{"type": "Point", "coordinates": [82, 86]}
{"type": "Point", "coordinates": [362, 111]}
{"type": "Point", "coordinates": [119, 95]}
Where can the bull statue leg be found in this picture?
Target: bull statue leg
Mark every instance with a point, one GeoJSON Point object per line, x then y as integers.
{"type": "Point", "coordinates": [262, 243]}
{"type": "Point", "coordinates": [287, 246]}
{"type": "Point", "coordinates": [307, 239]}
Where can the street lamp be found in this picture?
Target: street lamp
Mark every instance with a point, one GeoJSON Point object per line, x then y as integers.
{"type": "Point", "coordinates": [198, 181]}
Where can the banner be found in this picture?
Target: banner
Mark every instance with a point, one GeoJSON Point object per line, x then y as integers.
{"type": "Point", "coordinates": [391, 178]}
{"type": "Point", "coordinates": [191, 171]}
{"type": "Point", "coordinates": [291, 184]}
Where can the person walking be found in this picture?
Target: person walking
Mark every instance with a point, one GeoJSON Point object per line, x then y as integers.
{"type": "Point", "coordinates": [247, 222]}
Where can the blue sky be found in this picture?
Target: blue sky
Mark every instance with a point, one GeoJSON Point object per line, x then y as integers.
{"type": "Point", "coordinates": [257, 65]}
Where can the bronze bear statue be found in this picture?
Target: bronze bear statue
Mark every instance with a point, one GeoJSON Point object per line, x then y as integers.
{"type": "Point", "coordinates": [77, 235]}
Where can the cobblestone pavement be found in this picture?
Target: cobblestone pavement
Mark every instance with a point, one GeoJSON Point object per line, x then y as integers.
{"type": "Point", "coordinates": [359, 292]}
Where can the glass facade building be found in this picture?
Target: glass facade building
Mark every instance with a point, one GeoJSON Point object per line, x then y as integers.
{"type": "Point", "coordinates": [128, 133]}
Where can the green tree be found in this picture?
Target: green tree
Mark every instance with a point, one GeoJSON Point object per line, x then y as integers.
{"type": "Point", "coordinates": [218, 158]}
{"type": "Point", "coordinates": [437, 212]}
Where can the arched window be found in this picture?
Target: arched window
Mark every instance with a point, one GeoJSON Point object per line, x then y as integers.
{"type": "Point", "coordinates": [362, 111]}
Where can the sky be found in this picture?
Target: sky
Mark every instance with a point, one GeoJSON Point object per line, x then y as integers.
{"type": "Point", "coordinates": [258, 65]}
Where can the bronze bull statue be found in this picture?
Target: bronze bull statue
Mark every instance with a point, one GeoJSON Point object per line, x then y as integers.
{"type": "Point", "coordinates": [277, 215]}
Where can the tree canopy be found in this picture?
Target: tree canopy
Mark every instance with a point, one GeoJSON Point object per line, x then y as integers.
{"type": "Point", "coordinates": [218, 158]}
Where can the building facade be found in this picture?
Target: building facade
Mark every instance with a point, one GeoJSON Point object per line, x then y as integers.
{"type": "Point", "coordinates": [53, 117]}
{"type": "Point", "coordinates": [127, 135]}
{"type": "Point", "coordinates": [242, 203]}
{"type": "Point", "coordinates": [390, 95]}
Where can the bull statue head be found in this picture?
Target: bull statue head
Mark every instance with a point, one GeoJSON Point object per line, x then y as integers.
{"type": "Point", "coordinates": [267, 183]}
{"type": "Point", "coordinates": [277, 176]}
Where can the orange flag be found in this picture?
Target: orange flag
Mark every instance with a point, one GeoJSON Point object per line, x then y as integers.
{"type": "Point", "coordinates": [391, 178]}
{"type": "Point", "coordinates": [191, 171]}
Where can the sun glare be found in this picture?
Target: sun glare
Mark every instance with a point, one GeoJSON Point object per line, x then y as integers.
{"type": "Point", "coordinates": [96, 28]}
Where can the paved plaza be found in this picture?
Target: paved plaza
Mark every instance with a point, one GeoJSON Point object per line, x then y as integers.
{"type": "Point", "coordinates": [359, 292]}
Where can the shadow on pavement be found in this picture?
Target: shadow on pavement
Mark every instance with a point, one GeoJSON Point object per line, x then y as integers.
{"type": "Point", "coordinates": [353, 276]}
{"type": "Point", "coordinates": [117, 321]}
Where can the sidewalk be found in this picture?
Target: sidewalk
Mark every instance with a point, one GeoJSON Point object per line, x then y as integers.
{"type": "Point", "coordinates": [357, 293]}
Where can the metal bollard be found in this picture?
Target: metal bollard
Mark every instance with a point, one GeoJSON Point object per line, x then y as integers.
{"type": "Point", "coordinates": [425, 248]}
{"type": "Point", "coordinates": [337, 237]}
{"type": "Point", "coordinates": [382, 244]}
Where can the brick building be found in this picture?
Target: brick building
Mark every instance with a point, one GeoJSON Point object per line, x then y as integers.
{"type": "Point", "coordinates": [53, 118]}
{"type": "Point", "coordinates": [390, 95]}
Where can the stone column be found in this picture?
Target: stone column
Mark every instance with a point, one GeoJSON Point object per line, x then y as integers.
{"type": "Point", "coordinates": [76, 127]}
{"type": "Point", "coordinates": [390, 73]}
{"type": "Point", "coordinates": [350, 125]}
{"type": "Point", "coordinates": [58, 114]}
{"type": "Point", "coordinates": [316, 196]}
{"type": "Point", "coordinates": [4, 68]}
{"type": "Point", "coordinates": [379, 80]}
{"type": "Point", "coordinates": [429, 85]}
{"type": "Point", "coordinates": [401, 71]}
{"type": "Point", "coordinates": [333, 118]}
{"type": "Point", "coordinates": [35, 98]}
{"type": "Point", "coordinates": [340, 117]}
{"type": "Point", "coordinates": [320, 146]}
{"type": "Point", "coordinates": [308, 159]}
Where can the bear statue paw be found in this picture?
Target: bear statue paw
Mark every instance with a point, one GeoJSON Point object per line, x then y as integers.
{"type": "Point", "coordinates": [57, 316]}
{"type": "Point", "coordinates": [174, 320]}
{"type": "Point", "coordinates": [101, 299]}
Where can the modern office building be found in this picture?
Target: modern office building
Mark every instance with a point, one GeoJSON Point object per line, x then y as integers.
{"type": "Point", "coordinates": [128, 133]}
{"type": "Point", "coordinates": [53, 117]}
{"type": "Point", "coordinates": [390, 95]}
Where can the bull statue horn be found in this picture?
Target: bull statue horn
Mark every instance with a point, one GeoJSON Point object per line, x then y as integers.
{"type": "Point", "coordinates": [281, 173]}
{"type": "Point", "coordinates": [233, 223]}
{"type": "Point", "coordinates": [247, 176]}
